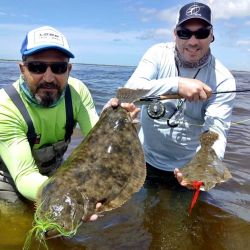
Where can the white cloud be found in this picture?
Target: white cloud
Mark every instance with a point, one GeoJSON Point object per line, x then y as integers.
{"type": "Point", "coordinates": [155, 34]}
{"type": "Point", "coordinates": [221, 9]}
{"type": "Point", "coordinates": [226, 9]}
{"type": "Point", "coordinates": [169, 15]}
{"type": "Point", "coordinates": [243, 43]}
{"type": "Point", "coordinates": [248, 23]}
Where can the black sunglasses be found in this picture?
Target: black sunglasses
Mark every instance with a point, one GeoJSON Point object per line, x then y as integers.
{"type": "Point", "coordinates": [186, 34]}
{"type": "Point", "coordinates": [41, 67]}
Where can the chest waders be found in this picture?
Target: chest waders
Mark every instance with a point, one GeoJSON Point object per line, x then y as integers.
{"type": "Point", "coordinates": [48, 158]}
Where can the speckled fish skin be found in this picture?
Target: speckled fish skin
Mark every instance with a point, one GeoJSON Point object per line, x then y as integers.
{"type": "Point", "coordinates": [108, 167]}
{"type": "Point", "coordinates": [206, 166]}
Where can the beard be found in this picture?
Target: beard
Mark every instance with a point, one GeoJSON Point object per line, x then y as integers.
{"type": "Point", "coordinates": [47, 94]}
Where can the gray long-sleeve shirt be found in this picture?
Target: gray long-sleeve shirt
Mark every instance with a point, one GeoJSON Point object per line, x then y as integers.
{"type": "Point", "coordinates": [166, 147]}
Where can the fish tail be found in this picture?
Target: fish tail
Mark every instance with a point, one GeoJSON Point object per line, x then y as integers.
{"type": "Point", "coordinates": [130, 95]}
{"type": "Point", "coordinates": [208, 138]}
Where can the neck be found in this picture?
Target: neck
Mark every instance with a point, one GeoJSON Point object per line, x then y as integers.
{"type": "Point", "coordinates": [181, 62]}
{"type": "Point", "coordinates": [29, 96]}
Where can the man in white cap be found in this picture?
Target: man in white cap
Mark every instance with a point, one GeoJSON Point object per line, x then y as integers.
{"type": "Point", "coordinates": [171, 129]}
{"type": "Point", "coordinates": [38, 113]}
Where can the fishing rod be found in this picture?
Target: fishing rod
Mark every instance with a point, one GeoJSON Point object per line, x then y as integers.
{"type": "Point", "coordinates": [156, 109]}
{"type": "Point", "coordinates": [176, 96]}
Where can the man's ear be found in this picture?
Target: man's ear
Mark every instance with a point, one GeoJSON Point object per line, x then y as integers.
{"type": "Point", "coordinates": [69, 67]}
{"type": "Point", "coordinates": [21, 67]}
{"type": "Point", "coordinates": [212, 38]}
{"type": "Point", "coordinates": [174, 34]}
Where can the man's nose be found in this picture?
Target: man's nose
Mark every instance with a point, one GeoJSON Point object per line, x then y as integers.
{"type": "Point", "coordinates": [193, 40]}
{"type": "Point", "coordinates": [48, 75]}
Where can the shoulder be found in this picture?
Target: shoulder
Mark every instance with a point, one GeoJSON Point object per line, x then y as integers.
{"type": "Point", "coordinates": [6, 104]}
{"type": "Point", "coordinates": [220, 76]}
{"type": "Point", "coordinates": [162, 47]}
{"type": "Point", "coordinates": [78, 87]}
{"type": "Point", "coordinates": [80, 92]}
{"type": "Point", "coordinates": [221, 70]}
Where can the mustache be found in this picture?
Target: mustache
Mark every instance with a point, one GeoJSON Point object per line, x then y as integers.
{"type": "Point", "coordinates": [48, 85]}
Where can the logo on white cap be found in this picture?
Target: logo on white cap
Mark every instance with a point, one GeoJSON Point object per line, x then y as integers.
{"type": "Point", "coordinates": [46, 36]}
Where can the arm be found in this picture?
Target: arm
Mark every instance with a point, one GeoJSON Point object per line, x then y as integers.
{"type": "Point", "coordinates": [83, 105]}
{"type": "Point", "coordinates": [156, 71]}
{"type": "Point", "coordinates": [16, 153]}
{"type": "Point", "coordinates": [219, 114]}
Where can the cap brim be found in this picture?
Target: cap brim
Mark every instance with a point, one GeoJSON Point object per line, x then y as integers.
{"type": "Point", "coordinates": [190, 18]}
{"type": "Point", "coordinates": [42, 48]}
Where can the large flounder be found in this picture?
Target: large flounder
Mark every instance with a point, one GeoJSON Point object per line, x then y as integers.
{"type": "Point", "coordinates": [206, 167]}
{"type": "Point", "coordinates": [107, 167]}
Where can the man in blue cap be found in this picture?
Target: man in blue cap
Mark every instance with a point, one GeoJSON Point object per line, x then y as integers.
{"type": "Point", "coordinates": [170, 133]}
{"type": "Point", "coordinates": [38, 113]}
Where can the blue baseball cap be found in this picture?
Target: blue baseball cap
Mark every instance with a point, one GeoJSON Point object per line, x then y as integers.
{"type": "Point", "coordinates": [194, 10]}
{"type": "Point", "coordinates": [45, 38]}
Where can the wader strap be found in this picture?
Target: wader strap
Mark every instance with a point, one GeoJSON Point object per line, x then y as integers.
{"type": "Point", "coordinates": [70, 123]}
{"type": "Point", "coordinates": [14, 96]}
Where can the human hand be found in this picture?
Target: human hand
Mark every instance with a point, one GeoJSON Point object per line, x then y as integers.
{"type": "Point", "coordinates": [130, 107]}
{"type": "Point", "coordinates": [94, 217]}
{"type": "Point", "coordinates": [178, 175]}
{"type": "Point", "coordinates": [193, 89]}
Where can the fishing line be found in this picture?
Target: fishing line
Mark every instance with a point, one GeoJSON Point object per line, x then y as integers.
{"type": "Point", "coordinates": [157, 111]}
{"type": "Point", "coordinates": [201, 125]}
{"type": "Point", "coordinates": [177, 96]}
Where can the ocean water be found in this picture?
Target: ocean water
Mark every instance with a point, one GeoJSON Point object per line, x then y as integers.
{"type": "Point", "coordinates": [156, 218]}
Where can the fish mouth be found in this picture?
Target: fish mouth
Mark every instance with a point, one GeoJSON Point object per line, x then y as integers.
{"type": "Point", "coordinates": [51, 234]}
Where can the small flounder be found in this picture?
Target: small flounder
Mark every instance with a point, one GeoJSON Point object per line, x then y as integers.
{"type": "Point", "coordinates": [206, 167]}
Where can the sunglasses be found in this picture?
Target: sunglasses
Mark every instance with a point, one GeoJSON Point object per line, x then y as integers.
{"type": "Point", "coordinates": [41, 67]}
{"type": "Point", "coordinates": [186, 34]}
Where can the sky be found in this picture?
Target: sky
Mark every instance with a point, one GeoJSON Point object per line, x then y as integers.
{"type": "Point", "coordinates": [118, 32]}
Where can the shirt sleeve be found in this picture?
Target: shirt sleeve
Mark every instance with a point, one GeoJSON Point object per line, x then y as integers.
{"type": "Point", "coordinates": [151, 74]}
{"type": "Point", "coordinates": [16, 153]}
{"type": "Point", "coordinates": [85, 110]}
{"type": "Point", "coordinates": [218, 115]}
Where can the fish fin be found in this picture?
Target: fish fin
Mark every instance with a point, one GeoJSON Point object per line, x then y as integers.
{"type": "Point", "coordinates": [136, 121]}
{"type": "Point", "coordinates": [132, 186]}
{"type": "Point", "coordinates": [208, 138]}
{"type": "Point", "coordinates": [130, 95]}
{"type": "Point", "coordinates": [85, 206]}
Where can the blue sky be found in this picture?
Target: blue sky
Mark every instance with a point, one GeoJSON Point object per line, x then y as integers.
{"type": "Point", "coordinates": [120, 31]}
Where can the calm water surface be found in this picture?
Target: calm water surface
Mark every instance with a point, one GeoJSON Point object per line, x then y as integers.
{"type": "Point", "coordinates": [156, 217]}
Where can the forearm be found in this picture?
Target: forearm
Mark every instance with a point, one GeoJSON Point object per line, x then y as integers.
{"type": "Point", "coordinates": [156, 72]}
{"type": "Point", "coordinates": [30, 184]}
{"type": "Point", "coordinates": [22, 168]}
{"type": "Point", "coordinates": [218, 118]}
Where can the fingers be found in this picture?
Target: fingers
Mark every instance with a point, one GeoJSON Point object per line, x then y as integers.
{"type": "Point", "coordinates": [98, 205]}
{"type": "Point", "coordinates": [132, 109]}
{"type": "Point", "coordinates": [193, 89]}
{"type": "Point", "coordinates": [178, 175]}
{"type": "Point", "coordinates": [94, 217]}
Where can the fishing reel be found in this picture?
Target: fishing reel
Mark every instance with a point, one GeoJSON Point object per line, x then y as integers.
{"type": "Point", "coordinates": [156, 109]}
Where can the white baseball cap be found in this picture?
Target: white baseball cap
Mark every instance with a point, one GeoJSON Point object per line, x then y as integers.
{"type": "Point", "coordinates": [45, 38]}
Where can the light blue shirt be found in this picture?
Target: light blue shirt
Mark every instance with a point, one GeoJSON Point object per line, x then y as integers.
{"type": "Point", "coordinates": [165, 147]}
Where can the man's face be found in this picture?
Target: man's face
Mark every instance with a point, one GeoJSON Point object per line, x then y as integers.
{"type": "Point", "coordinates": [193, 49]}
{"type": "Point", "coordinates": [46, 74]}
